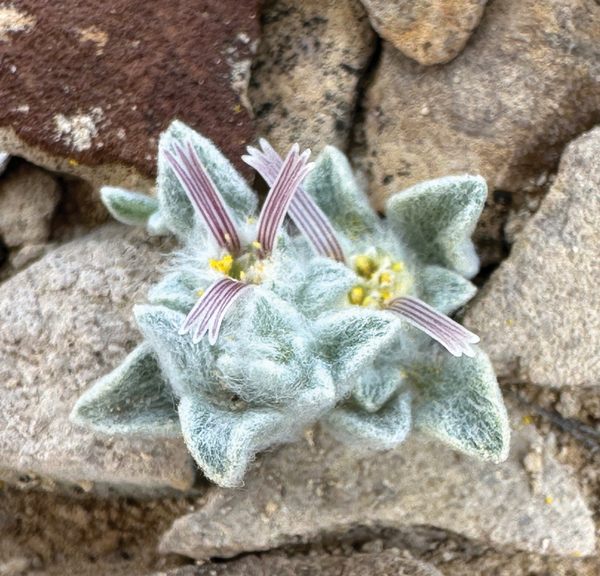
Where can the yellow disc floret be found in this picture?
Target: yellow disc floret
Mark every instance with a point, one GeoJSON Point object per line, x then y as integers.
{"type": "Point", "coordinates": [356, 295]}
{"type": "Point", "coordinates": [384, 280]}
{"type": "Point", "coordinates": [223, 265]}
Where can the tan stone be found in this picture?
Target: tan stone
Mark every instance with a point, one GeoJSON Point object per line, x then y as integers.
{"type": "Point", "coordinates": [66, 321]}
{"type": "Point", "coordinates": [539, 314]}
{"type": "Point", "coordinates": [308, 65]}
{"type": "Point", "coordinates": [429, 31]}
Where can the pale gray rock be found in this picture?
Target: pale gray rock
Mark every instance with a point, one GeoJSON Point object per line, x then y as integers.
{"type": "Point", "coordinates": [320, 487]}
{"type": "Point", "coordinates": [305, 74]}
{"type": "Point", "coordinates": [539, 314]}
{"type": "Point", "coordinates": [66, 321]}
{"type": "Point", "coordinates": [527, 82]}
{"type": "Point", "coordinates": [383, 564]}
{"type": "Point", "coordinates": [429, 31]}
{"type": "Point", "coordinates": [4, 159]}
{"type": "Point", "coordinates": [28, 198]}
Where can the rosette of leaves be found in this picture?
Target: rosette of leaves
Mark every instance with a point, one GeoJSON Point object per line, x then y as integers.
{"type": "Point", "coordinates": [254, 332]}
{"type": "Point", "coordinates": [226, 360]}
{"type": "Point", "coordinates": [413, 269]}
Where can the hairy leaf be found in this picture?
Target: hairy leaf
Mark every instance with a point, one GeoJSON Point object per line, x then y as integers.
{"type": "Point", "coordinates": [133, 399]}
{"type": "Point", "coordinates": [460, 403]}
{"type": "Point", "coordinates": [128, 207]}
{"type": "Point", "coordinates": [379, 430]}
{"type": "Point", "coordinates": [436, 219]}
{"type": "Point", "coordinates": [443, 289]}
{"type": "Point", "coordinates": [334, 188]}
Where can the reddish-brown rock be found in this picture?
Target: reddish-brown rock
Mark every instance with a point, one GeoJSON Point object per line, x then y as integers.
{"type": "Point", "coordinates": [95, 84]}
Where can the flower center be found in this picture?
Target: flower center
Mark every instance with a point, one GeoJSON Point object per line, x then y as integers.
{"type": "Point", "coordinates": [249, 268]}
{"type": "Point", "coordinates": [382, 280]}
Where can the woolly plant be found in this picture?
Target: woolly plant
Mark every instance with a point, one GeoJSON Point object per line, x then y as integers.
{"type": "Point", "coordinates": [258, 330]}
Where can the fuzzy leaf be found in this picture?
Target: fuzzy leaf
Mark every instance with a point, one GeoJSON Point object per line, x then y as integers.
{"type": "Point", "coordinates": [128, 207]}
{"type": "Point", "coordinates": [177, 290]}
{"type": "Point", "coordinates": [185, 365]}
{"type": "Point", "coordinates": [174, 204]}
{"type": "Point", "coordinates": [133, 400]}
{"type": "Point", "coordinates": [381, 430]}
{"type": "Point", "coordinates": [224, 442]}
{"type": "Point", "coordinates": [334, 188]}
{"type": "Point", "coordinates": [350, 339]}
{"type": "Point", "coordinates": [460, 403]}
{"type": "Point", "coordinates": [437, 218]}
{"type": "Point", "coordinates": [443, 289]}
{"type": "Point", "coordinates": [376, 384]}
{"type": "Point", "coordinates": [325, 285]}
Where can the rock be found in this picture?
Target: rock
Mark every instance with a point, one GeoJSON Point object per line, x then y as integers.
{"type": "Point", "coordinates": [381, 564]}
{"type": "Point", "coordinates": [28, 198]}
{"type": "Point", "coordinates": [319, 487]}
{"type": "Point", "coordinates": [66, 321]}
{"type": "Point", "coordinates": [539, 314]}
{"type": "Point", "coordinates": [4, 159]}
{"type": "Point", "coordinates": [309, 63]}
{"type": "Point", "coordinates": [429, 31]}
{"type": "Point", "coordinates": [88, 91]}
{"type": "Point", "coordinates": [527, 83]}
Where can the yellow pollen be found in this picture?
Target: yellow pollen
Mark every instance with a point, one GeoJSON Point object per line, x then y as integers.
{"type": "Point", "coordinates": [549, 500]}
{"type": "Point", "coordinates": [251, 219]}
{"type": "Point", "coordinates": [368, 301]}
{"type": "Point", "coordinates": [223, 265]}
{"type": "Point", "coordinates": [385, 279]}
{"type": "Point", "coordinates": [364, 266]}
{"type": "Point", "coordinates": [200, 292]}
{"type": "Point", "coordinates": [357, 295]}
{"type": "Point", "coordinates": [398, 266]}
{"type": "Point", "coordinates": [73, 162]}
{"type": "Point", "coordinates": [242, 275]}
{"type": "Point", "coordinates": [257, 245]}
{"type": "Point", "coordinates": [527, 420]}
{"type": "Point", "coordinates": [385, 295]}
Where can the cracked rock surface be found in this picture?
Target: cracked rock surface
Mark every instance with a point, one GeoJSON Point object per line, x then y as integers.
{"type": "Point", "coordinates": [539, 314]}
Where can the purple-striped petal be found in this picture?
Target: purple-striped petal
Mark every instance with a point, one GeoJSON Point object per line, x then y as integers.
{"type": "Point", "coordinates": [203, 194]}
{"type": "Point", "coordinates": [293, 170]}
{"type": "Point", "coordinates": [303, 210]}
{"type": "Point", "coordinates": [451, 335]}
{"type": "Point", "coordinates": [208, 313]}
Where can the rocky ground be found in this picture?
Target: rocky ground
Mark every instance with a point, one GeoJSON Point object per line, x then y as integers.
{"type": "Point", "coordinates": [410, 90]}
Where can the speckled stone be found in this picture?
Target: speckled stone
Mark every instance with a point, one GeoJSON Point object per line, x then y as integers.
{"type": "Point", "coordinates": [307, 69]}
{"type": "Point", "coordinates": [429, 31]}
{"type": "Point", "coordinates": [539, 314]}
{"type": "Point", "coordinates": [84, 85]}
{"type": "Point", "coordinates": [66, 321]}
{"type": "Point", "coordinates": [382, 564]}
{"type": "Point", "coordinates": [527, 82]}
{"type": "Point", "coordinates": [320, 487]}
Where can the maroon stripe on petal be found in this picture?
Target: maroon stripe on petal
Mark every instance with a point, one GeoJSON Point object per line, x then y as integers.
{"type": "Point", "coordinates": [203, 194]}
{"type": "Point", "coordinates": [303, 210]}
{"type": "Point", "coordinates": [293, 170]}
{"type": "Point", "coordinates": [454, 337]}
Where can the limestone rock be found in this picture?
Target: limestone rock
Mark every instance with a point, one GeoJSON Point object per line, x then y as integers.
{"type": "Point", "coordinates": [66, 321]}
{"type": "Point", "coordinates": [320, 487]}
{"type": "Point", "coordinates": [429, 31]}
{"type": "Point", "coordinates": [527, 83]}
{"type": "Point", "coordinates": [88, 91]}
{"type": "Point", "coordinates": [308, 65]}
{"type": "Point", "coordinates": [28, 198]}
{"type": "Point", "coordinates": [383, 564]}
{"type": "Point", "coordinates": [539, 314]}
